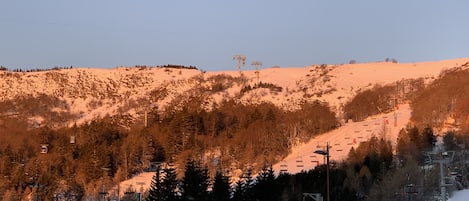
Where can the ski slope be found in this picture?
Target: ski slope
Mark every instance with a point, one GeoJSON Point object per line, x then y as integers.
{"type": "Point", "coordinates": [137, 184]}
{"type": "Point", "coordinates": [341, 140]}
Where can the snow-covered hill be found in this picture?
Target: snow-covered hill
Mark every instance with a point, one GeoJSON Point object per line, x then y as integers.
{"type": "Point", "coordinates": [92, 92]}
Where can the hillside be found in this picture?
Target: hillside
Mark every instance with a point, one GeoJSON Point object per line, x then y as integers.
{"type": "Point", "coordinates": [341, 140]}
{"type": "Point", "coordinates": [89, 123]}
{"type": "Point", "coordinates": [88, 93]}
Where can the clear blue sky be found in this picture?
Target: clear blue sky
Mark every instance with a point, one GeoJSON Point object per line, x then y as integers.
{"type": "Point", "coordinates": [108, 33]}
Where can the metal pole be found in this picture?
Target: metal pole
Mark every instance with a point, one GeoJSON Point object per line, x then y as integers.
{"type": "Point", "coordinates": [327, 179]}
{"type": "Point", "coordinates": [442, 182]}
{"type": "Point", "coordinates": [257, 64]}
{"type": "Point", "coordinates": [325, 153]}
{"type": "Point", "coordinates": [241, 61]}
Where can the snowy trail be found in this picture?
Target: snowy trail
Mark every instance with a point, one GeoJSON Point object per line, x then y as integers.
{"type": "Point", "coordinates": [343, 139]}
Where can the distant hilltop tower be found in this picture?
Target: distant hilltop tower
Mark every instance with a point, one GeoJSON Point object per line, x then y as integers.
{"type": "Point", "coordinates": [241, 61]}
{"type": "Point", "coordinates": [257, 64]}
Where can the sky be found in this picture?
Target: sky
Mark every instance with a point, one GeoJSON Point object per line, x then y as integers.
{"type": "Point", "coordinates": [208, 33]}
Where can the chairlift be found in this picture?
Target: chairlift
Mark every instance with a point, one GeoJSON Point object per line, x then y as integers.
{"type": "Point", "coordinates": [283, 167]}
{"type": "Point", "coordinates": [347, 137]}
{"type": "Point", "coordinates": [44, 148]}
{"type": "Point", "coordinates": [369, 130]}
{"type": "Point", "coordinates": [359, 137]}
{"type": "Point", "coordinates": [339, 150]}
{"type": "Point", "coordinates": [315, 161]}
{"type": "Point", "coordinates": [72, 139]}
{"type": "Point", "coordinates": [357, 131]}
{"type": "Point", "coordinates": [337, 144]}
{"type": "Point", "coordinates": [411, 189]}
{"type": "Point", "coordinates": [299, 161]}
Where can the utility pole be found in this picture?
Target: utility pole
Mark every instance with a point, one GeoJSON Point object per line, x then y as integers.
{"type": "Point", "coordinates": [257, 64]}
{"type": "Point", "coordinates": [241, 61]}
{"type": "Point", "coordinates": [326, 154]}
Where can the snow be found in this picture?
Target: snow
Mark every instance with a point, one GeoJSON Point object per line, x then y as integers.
{"type": "Point", "coordinates": [341, 140]}
{"type": "Point", "coordinates": [462, 195]}
{"type": "Point", "coordinates": [93, 92]}
{"type": "Point", "coordinates": [139, 184]}
{"type": "Point", "coordinates": [114, 89]}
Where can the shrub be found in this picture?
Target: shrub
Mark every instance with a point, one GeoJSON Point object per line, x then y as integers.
{"type": "Point", "coordinates": [272, 87]}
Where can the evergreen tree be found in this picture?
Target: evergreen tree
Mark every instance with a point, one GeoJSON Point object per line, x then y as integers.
{"type": "Point", "coordinates": [249, 185]}
{"type": "Point", "coordinates": [428, 138]}
{"type": "Point", "coordinates": [163, 186]}
{"type": "Point", "coordinates": [169, 184]}
{"type": "Point", "coordinates": [244, 187]}
{"type": "Point", "coordinates": [195, 182]}
{"type": "Point", "coordinates": [415, 137]}
{"type": "Point", "coordinates": [154, 193]}
{"type": "Point", "coordinates": [403, 142]}
{"type": "Point", "coordinates": [238, 194]}
{"type": "Point", "coordinates": [221, 188]}
{"type": "Point", "coordinates": [449, 140]}
{"type": "Point", "coordinates": [266, 188]}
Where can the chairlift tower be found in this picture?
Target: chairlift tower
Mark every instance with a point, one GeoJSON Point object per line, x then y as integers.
{"type": "Point", "coordinates": [241, 61]}
{"type": "Point", "coordinates": [257, 64]}
{"type": "Point", "coordinates": [444, 158]}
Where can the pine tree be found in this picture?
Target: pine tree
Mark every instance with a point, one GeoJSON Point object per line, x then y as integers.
{"type": "Point", "coordinates": [244, 187]}
{"type": "Point", "coordinates": [221, 188]}
{"type": "Point", "coordinates": [169, 184]}
{"type": "Point", "coordinates": [155, 189]}
{"type": "Point", "coordinates": [403, 142]}
{"type": "Point", "coordinates": [163, 186]}
{"type": "Point", "coordinates": [195, 182]}
{"type": "Point", "coordinates": [428, 138]}
{"type": "Point", "coordinates": [265, 188]}
{"type": "Point", "coordinates": [238, 194]}
{"type": "Point", "coordinates": [249, 185]}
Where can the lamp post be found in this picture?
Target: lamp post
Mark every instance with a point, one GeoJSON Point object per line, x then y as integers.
{"type": "Point", "coordinates": [326, 154]}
